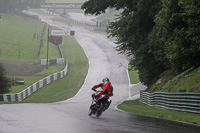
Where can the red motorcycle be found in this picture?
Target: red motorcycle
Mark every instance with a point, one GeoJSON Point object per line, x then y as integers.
{"type": "Point", "coordinates": [99, 105]}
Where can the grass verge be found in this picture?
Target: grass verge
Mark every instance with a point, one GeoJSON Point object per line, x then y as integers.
{"type": "Point", "coordinates": [133, 75]}
{"type": "Point", "coordinates": [134, 106]}
{"type": "Point", "coordinates": [18, 44]}
{"type": "Point", "coordinates": [29, 80]}
{"type": "Point", "coordinates": [68, 86]}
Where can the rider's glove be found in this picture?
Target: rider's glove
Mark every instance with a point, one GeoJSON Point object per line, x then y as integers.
{"type": "Point", "coordinates": [93, 96]}
{"type": "Point", "coordinates": [93, 89]}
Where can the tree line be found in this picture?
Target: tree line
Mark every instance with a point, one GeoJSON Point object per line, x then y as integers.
{"type": "Point", "coordinates": [160, 34]}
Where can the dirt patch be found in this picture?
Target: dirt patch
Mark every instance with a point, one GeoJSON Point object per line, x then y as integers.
{"type": "Point", "coordinates": [23, 68]}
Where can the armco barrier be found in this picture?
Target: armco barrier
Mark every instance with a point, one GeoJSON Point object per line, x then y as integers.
{"type": "Point", "coordinates": [52, 61]}
{"type": "Point", "coordinates": [187, 102]}
{"type": "Point", "coordinates": [31, 89]}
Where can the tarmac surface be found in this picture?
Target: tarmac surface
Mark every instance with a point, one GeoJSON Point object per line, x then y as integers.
{"type": "Point", "coordinates": [71, 116]}
{"type": "Point", "coordinates": [23, 68]}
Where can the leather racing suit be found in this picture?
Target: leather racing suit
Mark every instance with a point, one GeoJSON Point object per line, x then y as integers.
{"type": "Point", "coordinates": [106, 89]}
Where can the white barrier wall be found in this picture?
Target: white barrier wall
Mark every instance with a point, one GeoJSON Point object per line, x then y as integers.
{"type": "Point", "coordinates": [43, 61]}
{"type": "Point", "coordinates": [60, 61]}
{"type": "Point", "coordinates": [57, 61]}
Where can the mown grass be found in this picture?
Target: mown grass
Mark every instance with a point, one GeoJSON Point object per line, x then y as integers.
{"type": "Point", "coordinates": [52, 69]}
{"type": "Point", "coordinates": [27, 80]}
{"type": "Point", "coordinates": [133, 75]}
{"type": "Point", "coordinates": [17, 38]}
{"type": "Point", "coordinates": [53, 52]}
{"type": "Point", "coordinates": [134, 106]}
{"type": "Point", "coordinates": [68, 86]}
{"type": "Point", "coordinates": [187, 81]}
{"type": "Point", "coordinates": [17, 43]}
{"type": "Point", "coordinates": [30, 80]}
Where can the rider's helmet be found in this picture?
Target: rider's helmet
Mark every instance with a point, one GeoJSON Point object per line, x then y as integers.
{"type": "Point", "coordinates": [105, 80]}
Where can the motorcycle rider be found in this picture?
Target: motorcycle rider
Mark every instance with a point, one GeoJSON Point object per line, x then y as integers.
{"type": "Point", "coordinates": [106, 89]}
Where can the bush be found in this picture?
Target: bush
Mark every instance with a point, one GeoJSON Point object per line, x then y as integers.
{"type": "Point", "coordinates": [5, 83]}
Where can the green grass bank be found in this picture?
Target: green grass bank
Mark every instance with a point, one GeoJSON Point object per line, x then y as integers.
{"type": "Point", "coordinates": [187, 81]}
{"type": "Point", "coordinates": [18, 48]}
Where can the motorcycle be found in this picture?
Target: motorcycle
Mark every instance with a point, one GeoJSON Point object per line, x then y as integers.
{"type": "Point", "coordinates": [99, 105]}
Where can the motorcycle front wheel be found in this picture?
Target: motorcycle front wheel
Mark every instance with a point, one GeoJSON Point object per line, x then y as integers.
{"type": "Point", "coordinates": [100, 110]}
{"type": "Point", "coordinates": [90, 112]}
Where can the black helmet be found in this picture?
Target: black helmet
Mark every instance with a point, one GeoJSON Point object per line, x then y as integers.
{"type": "Point", "coordinates": [105, 80]}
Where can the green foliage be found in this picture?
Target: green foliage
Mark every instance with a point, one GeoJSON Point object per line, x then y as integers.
{"type": "Point", "coordinates": [160, 35]}
{"type": "Point", "coordinates": [5, 82]}
{"type": "Point", "coordinates": [110, 15]}
{"type": "Point", "coordinates": [96, 7]}
{"type": "Point", "coordinates": [187, 81]}
{"type": "Point", "coordinates": [131, 29]}
{"type": "Point", "coordinates": [178, 32]}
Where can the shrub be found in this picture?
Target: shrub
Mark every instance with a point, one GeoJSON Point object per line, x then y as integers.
{"type": "Point", "coordinates": [5, 83]}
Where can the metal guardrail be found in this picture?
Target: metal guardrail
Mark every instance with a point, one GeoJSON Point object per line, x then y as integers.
{"type": "Point", "coordinates": [186, 102]}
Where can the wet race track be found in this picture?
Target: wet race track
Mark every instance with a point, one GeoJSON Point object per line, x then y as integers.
{"type": "Point", "coordinates": [71, 116]}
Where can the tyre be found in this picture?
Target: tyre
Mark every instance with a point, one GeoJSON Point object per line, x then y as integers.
{"type": "Point", "coordinates": [100, 110]}
{"type": "Point", "coordinates": [90, 112]}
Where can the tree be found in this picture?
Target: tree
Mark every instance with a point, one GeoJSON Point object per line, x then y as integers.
{"type": "Point", "coordinates": [177, 31]}
{"type": "Point", "coordinates": [131, 30]}
{"type": "Point", "coordinates": [5, 83]}
{"type": "Point", "coordinates": [161, 34]}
